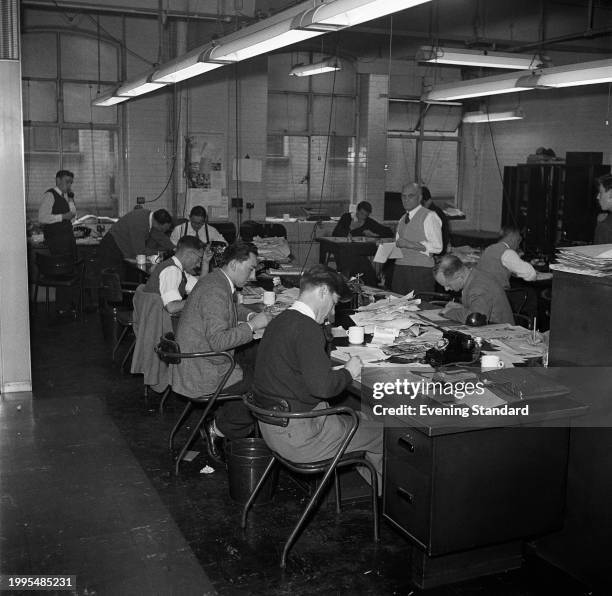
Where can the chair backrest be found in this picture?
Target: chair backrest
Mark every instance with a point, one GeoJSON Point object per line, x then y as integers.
{"type": "Point", "coordinates": [110, 286]}
{"type": "Point", "coordinates": [275, 404]}
{"type": "Point", "coordinates": [55, 265]}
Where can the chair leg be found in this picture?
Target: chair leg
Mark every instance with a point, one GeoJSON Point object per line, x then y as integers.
{"type": "Point", "coordinates": [128, 354]}
{"type": "Point", "coordinates": [247, 505]}
{"type": "Point", "coordinates": [374, 487]}
{"type": "Point", "coordinates": [118, 343]}
{"type": "Point", "coordinates": [192, 436]}
{"type": "Point", "coordinates": [164, 397]}
{"type": "Point", "coordinates": [178, 424]}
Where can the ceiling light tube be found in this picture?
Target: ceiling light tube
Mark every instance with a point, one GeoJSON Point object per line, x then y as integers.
{"type": "Point", "coordinates": [339, 14]}
{"type": "Point", "coordinates": [571, 75]}
{"type": "Point", "coordinates": [484, 58]}
{"type": "Point", "coordinates": [139, 86]}
{"type": "Point", "coordinates": [190, 65]}
{"type": "Point", "coordinates": [495, 85]}
{"type": "Point", "coordinates": [109, 99]}
{"type": "Point", "coordinates": [475, 117]}
{"type": "Point", "coordinates": [306, 70]}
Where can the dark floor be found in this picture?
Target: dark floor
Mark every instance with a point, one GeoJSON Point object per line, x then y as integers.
{"type": "Point", "coordinates": [71, 362]}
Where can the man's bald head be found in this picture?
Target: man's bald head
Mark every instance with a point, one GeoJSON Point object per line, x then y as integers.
{"type": "Point", "coordinates": [411, 196]}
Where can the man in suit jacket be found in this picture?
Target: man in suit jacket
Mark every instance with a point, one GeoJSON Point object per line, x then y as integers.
{"type": "Point", "coordinates": [139, 232]}
{"type": "Point", "coordinates": [212, 321]}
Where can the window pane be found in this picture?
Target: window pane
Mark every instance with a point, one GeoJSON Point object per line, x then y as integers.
{"type": "Point", "coordinates": [39, 55]}
{"type": "Point", "coordinates": [404, 116]}
{"type": "Point", "coordinates": [39, 101]}
{"type": "Point", "coordinates": [343, 115]}
{"type": "Point", "coordinates": [286, 177]}
{"type": "Point", "coordinates": [439, 170]}
{"type": "Point", "coordinates": [90, 154]}
{"type": "Point", "coordinates": [442, 118]}
{"type": "Point", "coordinates": [40, 138]}
{"type": "Point", "coordinates": [287, 112]}
{"type": "Point", "coordinates": [79, 57]}
{"type": "Point", "coordinates": [401, 160]}
{"type": "Point", "coordinates": [40, 169]}
{"type": "Point", "coordinates": [78, 107]}
{"type": "Point", "coordinates": [335, 180]}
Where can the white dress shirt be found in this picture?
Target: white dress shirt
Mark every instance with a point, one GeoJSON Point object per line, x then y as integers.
{"type": "Point", "coordinates": [45, 215]}
{"type": "Point", "coordinates": [304, 309]}
{"type": "Point", "coordinates": [511, 261]}
{"type": "Point", "coordinates": [432, 226]}
{"type": "Point", "coordinates": [170, 280]}
{"type": "Point", "coordinates": [179, 232]}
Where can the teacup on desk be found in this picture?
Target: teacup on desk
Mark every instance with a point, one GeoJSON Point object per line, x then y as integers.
{"type": "Point", "coordinates": [269, 298]}
{"type": "Point", "coordinates": [490, 362]}
{"type": "Point", "coordinates": [356, 335]}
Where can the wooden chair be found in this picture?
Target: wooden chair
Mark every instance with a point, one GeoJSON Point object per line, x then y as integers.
{"type": "Point", "coordinates": [58, 271]}
{"type": "Point", "coordinates": [278, 414]}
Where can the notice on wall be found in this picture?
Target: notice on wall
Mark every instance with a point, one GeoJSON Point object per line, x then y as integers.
{"type": "Point", "coordinates": [212, 199]}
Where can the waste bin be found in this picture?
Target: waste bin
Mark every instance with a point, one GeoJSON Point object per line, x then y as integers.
{"type": "Point", "coordinates": [246, 462]}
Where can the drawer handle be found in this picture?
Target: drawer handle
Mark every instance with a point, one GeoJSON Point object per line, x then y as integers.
{"type": "Point", "coordinates": [402, 492]}
{"type": "Point", "coordinates": [406, 444]}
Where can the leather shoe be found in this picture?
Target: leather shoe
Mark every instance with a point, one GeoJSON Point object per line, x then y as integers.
{"type": "Point", "coordinates": [214, 442]}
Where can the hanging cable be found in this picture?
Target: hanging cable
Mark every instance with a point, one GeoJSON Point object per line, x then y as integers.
{"type": "Point", "coordinates": [93, 151]}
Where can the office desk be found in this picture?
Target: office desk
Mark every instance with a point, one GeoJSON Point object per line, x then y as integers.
{"type": "Point", "coordinates": [466, 492]}
{"type": "Point", "coordinates": [478, 238]}
{"type": "Point", "coordinates": [342, 249]}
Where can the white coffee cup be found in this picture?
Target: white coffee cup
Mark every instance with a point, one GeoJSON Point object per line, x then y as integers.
{"type": "Point", "coordinates": [141, 259]}
{"type": "Point", "coordinates": [269, 298]}
{"type": "Point", "coordinates": [490, 362]}
{"type": "Point", "coordinates": [286, 216]}
{"type": "Point", "coordinates": [355, 335]}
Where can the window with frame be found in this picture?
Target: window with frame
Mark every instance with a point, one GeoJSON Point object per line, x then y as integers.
{"type": "Point", "coordinates": [62, 73]}
{"type": "Point", "coordinates": [311, 134]}
{"type": "Point", "coordinates": [423, 145]}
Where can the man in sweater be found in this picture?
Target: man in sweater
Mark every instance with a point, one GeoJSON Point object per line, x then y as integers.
{"type": "Point", "coordinates": [139, 232]}
{"type": "Point", "coordinates": [292, 364]}
{"type": "Point", "coordinates": [480, 293]}
{"type": "Point", "coordinates": [419, 235]}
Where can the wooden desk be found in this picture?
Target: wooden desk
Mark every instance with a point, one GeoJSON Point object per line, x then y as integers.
{"type": "Point", "coordinates": [466, 492]}
{"type": "Point", "coordinates": [342, 249]}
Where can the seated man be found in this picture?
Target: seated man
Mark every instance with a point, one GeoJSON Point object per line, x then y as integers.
{"type": "Point", "coordinates": [480, 293]}
{"type": "Point", "coordinates": [212, 321]}
{"type": "Point", "coordinates": [361, 224]}
{"type": "Point", "coordinates": [292, 364]}
{"type": "Point", "coordinates": [197, 226]}
{"type": "Point", "coordinates": [174, 279]}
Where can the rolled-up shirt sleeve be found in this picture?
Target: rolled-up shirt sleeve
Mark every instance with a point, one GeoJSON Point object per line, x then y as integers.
{"type": "Point", "coordinates": [169, 281]}
{"type": "Point", "coordinates": [511, 261]}
{"type": "Point", "coordinates": [433, 234]}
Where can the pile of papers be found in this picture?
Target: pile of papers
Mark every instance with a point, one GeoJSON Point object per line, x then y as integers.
{"type": "Point", "coordinates": [595, 260]}
{"type": "Point", "coordinates": [392, 313]}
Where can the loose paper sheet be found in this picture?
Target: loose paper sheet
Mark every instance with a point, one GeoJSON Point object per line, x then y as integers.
{"type": "Point", "coordinates": [387, 250]}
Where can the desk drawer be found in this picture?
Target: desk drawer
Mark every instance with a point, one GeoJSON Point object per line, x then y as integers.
{"type": "Point", "coordinates": [410, 446]}
{"type": "Point", "coordinates": [407, 498]}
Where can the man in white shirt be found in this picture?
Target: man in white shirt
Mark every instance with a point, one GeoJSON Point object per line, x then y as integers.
{"type": "Point", "coordinates": [55, 214]}
{"type": "Point", "coordinates": [419, 235]}
{"type": "Point", "coordinates": [198, 227]}
{"type": "Point", "coordinates": [174, 279]}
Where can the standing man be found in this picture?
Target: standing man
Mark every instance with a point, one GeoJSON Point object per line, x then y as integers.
{"type": "Point", "coordinates": [56, 213]}
{"type": "Point", "coordinates": [480, 293]}
{"type": "Point", "coordinates": [212, 321]}
{"type": "Point", "coordinates": [292, 364]}
{"type": "Point", "coordinates": [419, 235]}
{"type": "Point", "coordinates": [429, 203]}
{"type": "Point", "coordinates": [197, 226]}
{"type": "Point", "coordinates": [139, 232]}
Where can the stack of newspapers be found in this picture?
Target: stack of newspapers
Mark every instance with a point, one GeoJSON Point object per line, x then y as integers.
{"type": "Point", "coordinates": [595, 260]}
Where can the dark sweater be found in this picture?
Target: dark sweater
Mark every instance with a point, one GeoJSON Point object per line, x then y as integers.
{"type": "Point", "coordinates": [292, 363]}
{"type": "Point", "coordinates": [603, 231]}
{"type": "Point", "coordinates": [343, 228]}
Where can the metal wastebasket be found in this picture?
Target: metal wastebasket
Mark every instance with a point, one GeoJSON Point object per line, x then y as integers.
{"type": "Point", "coordinates": [246, 462]}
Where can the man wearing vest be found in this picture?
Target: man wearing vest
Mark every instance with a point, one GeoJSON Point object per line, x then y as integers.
{"type": "Point", "coordinates": [419, 235]}
{"type": "Point", "coordinates": [197, 226]}
{"type": "Point", "coordinates": [56, 213]}
{"type": "Point", "coordinates": [174, 279]}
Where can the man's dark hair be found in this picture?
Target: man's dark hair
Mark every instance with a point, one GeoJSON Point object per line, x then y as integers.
{"type": "Point", "coordinates": [321, 275]}
{"type": "Point", "coordinates": [606, 181]}
{"type": "Point", "coordinates": [161, 216]}
{"type": "Point", "coordinates": [365, 206]}
{"type": "Point", "coordinates": [189, 242]}
{"type": "Point", "coordinates": [425, 195]}
{"type": "Point", "coordinates": [63, 173]}
{"type": "Point", "coordinates": [449, 266]}
{"type": "Point", "coordinates": [239, 251]}
{"type": "Point", "coordinates": [198, 211]}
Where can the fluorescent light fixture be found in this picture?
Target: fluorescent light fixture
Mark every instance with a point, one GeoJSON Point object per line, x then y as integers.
{"type": "Point", "coordinates": [190, 65]}
{"type": "Point", "coordinates": [306, 70]}
{"type": "Point", "coordinates": [475, 117]}
{"type": "Point", "coordinates": [495, 85]}
{"type": "Point", "coordinates": [571, 75]}
{"type": "Point", "coordinates": [109, 99]}
{"type": "Point", "coordinates": [485, 58]}
{"type": "Point", "coordinates": [139, 86]}
{"type": "Point", "coordinates": [339, 14]}
{"type": "Point", "coordinates": [260, 42]}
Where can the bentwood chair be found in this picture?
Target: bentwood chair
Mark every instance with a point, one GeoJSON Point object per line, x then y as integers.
{"type": "Point", "coordinates": [168, 351]}
{"type": "Point", "coordinates": [277, 413]}
{"type": "Point", "coordinates": [58, 271]}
